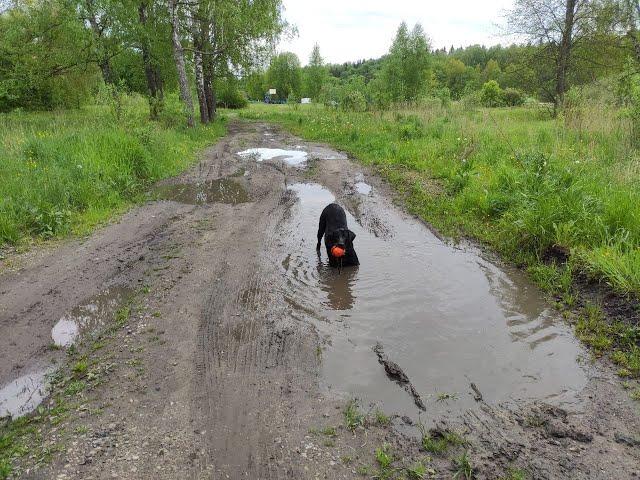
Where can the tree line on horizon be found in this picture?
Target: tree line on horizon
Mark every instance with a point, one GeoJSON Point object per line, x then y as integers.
{"type": "Point", "coordinates": [58, 53]}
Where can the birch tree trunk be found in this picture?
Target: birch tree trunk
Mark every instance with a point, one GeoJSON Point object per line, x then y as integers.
{"type": "Point", "coordinates": [197, 31]}
{"type": "Point", "coordinates": [178, 55]}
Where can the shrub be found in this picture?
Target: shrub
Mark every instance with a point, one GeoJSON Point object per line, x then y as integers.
{"type": "Point", "coordinates": [293, 98]}
{"type": "Point", "coordinates": [230, 97]}
{"type": "Point", "coordinates": [444, 95]}
{"type": "Point", "coordinates": [471, 100]}
{"type": "Point", "coordinates": [492, 95]}
{"type": "Point", "coordinates": [354, 101]}
{"type": "Point", "coordinates": [410, 127]}
{"type": "Point", "coordinates": [513, 97]}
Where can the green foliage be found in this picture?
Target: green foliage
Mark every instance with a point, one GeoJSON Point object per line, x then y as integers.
{"type": "Point", "coordinates": [385, 459]}
{"type": "Point", "coordinates": [80, 367]}
{"type": "Point", "coordinates": [285, 75]}
{"type": "Point", "coordinates": [513, 97]}
{"type": "Point", "coordinates": [418, 471]}
{"type": "Point", "coordinates": [382, 419]}
{"type": "Point", "coordinates": [5, 469]}
{"type": "Point", "coordinates": [74, 388]}
{"type": "Point", "coordinates": [63, 172]}
{"type": "Point", "coordinates": [515, 474]}
{"type": "Point", "coordinates": [41, 67]}
{"type": "Point", "coordinates": [353, 417]}
{"type": "Point", "coordinates": [464, 469]}
{"type": "Point", "coordinates": [492, 95]}
{"type": "Point", "coordinates": [404, 71]}
{"type": "Point", "coordinates": [630, 93]}
{"type": "Point", "coordinates": [255, 85]}
{"type": "Point", "coordinates": [229, 95]}
{"type": "Point", "coordinates": [354, 101]}
{"type": "Point", "coordinates": [315, 74]}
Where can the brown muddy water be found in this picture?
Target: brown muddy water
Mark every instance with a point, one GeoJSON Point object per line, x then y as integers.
{"type": "Point", "coordinates": [224, 190]}
{"type": "Point", "coordinates": [296, 157]}
{"type": "Point", "coordinates": [89, 316]}
{"type": "Point", "coordinates": [23, 395]}
{"type": "Point", "coordinates": [445, 314]}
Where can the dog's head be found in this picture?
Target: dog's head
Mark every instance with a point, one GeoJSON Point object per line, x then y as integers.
{"type": "Point", "coordinates": [343, 237]}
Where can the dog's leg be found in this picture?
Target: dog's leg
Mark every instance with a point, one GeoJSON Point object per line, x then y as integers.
{"type": "Point", "coordinates": [321, 229]}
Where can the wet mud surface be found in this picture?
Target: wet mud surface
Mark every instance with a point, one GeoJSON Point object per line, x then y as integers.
{"type": "Point", "coordinates": [241, 345]}
{"type": "Point", "coordinates": [444, 313]}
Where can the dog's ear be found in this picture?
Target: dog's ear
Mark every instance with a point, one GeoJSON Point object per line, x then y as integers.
{"type": "Point", "coordinates": [352, 236]}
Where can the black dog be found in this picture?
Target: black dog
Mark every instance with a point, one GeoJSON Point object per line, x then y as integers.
{"type": "Point", "coordinates": [337, 237]}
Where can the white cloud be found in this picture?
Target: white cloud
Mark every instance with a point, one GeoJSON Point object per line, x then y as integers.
{"type": "Point", "coordinates": [356, 29]}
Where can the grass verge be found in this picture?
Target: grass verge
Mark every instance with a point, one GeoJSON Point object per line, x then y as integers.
{"type": "Point", "coordinates": [64, 172]}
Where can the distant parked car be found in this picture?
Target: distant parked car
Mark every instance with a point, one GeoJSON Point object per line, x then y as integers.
{"type": "Point", "coordinates": [305, 100]}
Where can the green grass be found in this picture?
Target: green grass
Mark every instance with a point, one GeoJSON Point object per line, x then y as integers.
{"type": "Point", "coordinates": [64, 172]}
{"type": "Point", "coordinates": [619, 338]}
{"type": "Point", "coordinates": [381, 418]}
{"type": "Point", "coordinates": [22, 437]}
{"type": "Point", "coordinates": [385, 458]}
{"type": "Point", "coordinates": [439, 442]}
{"type": "Point", "coordinates": [513, 178]}
{"type": "Point", "coordinates": [419, 470]}
{"type": "Point", "coordinates": [80, 367]}
{"type": "Point", "coordinates": [464, 469]}
{"type": "Point", "coordinates": [515, 474]}
{"type": "Point", "coordinates": [353, 417]}
{"type": "Point", "coordinates": [330, 431]}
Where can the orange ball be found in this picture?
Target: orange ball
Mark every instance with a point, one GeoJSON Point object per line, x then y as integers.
{"type": "Point", "coordinates": [337, 251]}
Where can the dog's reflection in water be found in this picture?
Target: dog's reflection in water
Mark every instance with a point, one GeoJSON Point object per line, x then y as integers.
{"type": "Point", "coordinates": [338, 284]}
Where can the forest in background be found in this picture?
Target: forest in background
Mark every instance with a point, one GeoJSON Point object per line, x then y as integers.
{"type": "Point", "coordinates": [59, 54]}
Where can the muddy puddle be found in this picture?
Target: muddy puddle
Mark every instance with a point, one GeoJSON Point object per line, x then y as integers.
{"type": "Point", "coordinates": [446, 315]}
{"type": "Point", "coordinates": [224, 190]}
{"type": "Point", "coordinates": [296, 157]}
{"type": "Point", "coordinates": [90, 315]}
{"type": "Point", "coordinates": [23, 395]}
{"type": "Point", "coordinates": [290, 157]}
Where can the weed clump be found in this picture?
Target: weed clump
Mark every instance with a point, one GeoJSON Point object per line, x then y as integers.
{"type": "Point", "coordinates": [353, 417]}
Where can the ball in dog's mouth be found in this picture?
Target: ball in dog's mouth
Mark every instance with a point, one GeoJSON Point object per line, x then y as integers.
{"type": "Point", "coordinates": [337, 251]}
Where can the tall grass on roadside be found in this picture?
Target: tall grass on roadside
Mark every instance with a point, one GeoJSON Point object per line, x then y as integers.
{"type": "Point", "coordinates": [515, 178]}
{"type": "Point", "coordinates": [65, 171]}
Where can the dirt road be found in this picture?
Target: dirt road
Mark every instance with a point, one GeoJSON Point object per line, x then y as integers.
{"type": "Point", "coordinates": [236, 349]}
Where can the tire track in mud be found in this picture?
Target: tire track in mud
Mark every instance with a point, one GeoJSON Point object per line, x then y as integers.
{"type": "Point", "coordinates": [254, 362]}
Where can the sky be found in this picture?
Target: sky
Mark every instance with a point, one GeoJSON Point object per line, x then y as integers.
{"type": "Point", "coordinates": [349, 30]}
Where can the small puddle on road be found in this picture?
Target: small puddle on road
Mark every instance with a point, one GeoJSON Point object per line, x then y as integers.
{"type": "Point", "coordinates": [290, 157]}
{"type": "Point", "coordinates": [447, 316]}
{"type": "Point", "coordinates": [294, 158]}
{"type": "Point", "coordinates": [23, 395]}
{"type": "Point", "coordinates": [224, 190]}
{"type": "Point", "coordinates": [363, 188]}
{"type": "Point", "coordinates": [96, 312]}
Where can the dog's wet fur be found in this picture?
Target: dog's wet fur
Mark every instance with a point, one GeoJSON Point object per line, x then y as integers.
{"type": "Point", "coordinates": [333, 226]}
